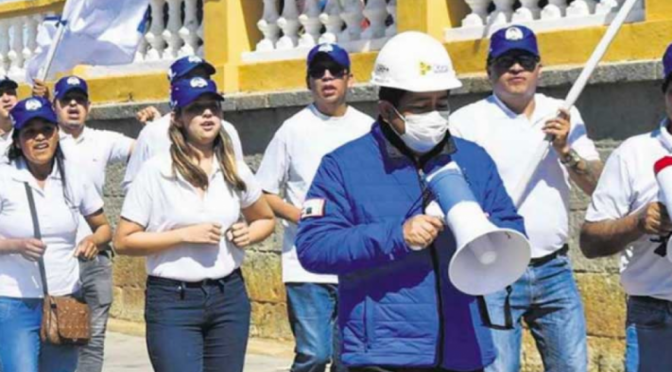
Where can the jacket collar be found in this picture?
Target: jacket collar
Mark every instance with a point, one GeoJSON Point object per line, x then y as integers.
{"type": "Point", "coordinates": [395, 148]}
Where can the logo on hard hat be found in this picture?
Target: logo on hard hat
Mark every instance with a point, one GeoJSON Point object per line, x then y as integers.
{"type": "Point", "coordinates": [33, 105]}
{"type": "Point", "coordinates": [326, 48]}
{"type": "Point", "coordinates": [73, 81]}
{"type": "Point", "coordinates": [514, 34]}
{"type": "Point", "coordinates": [426, 68]}
{"type": "Point", "coordinates": [195, 59]}
{"type": "Point", "coordinates": [198, 83]}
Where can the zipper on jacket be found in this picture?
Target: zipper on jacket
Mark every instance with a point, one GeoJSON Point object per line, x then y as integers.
{"type": "Point", "coordinates": [435, 263]}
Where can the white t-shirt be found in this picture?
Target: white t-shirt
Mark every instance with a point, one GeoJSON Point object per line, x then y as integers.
{"type": "Point", "coordinates": [511, 140]}
{"type": "Point", "coordinates": [290, 163]}
{"type": "Point", "coordinates": [627, 185]}
{"type": "Point", "coordinates": [58, 220]}
{"type": "Point", "coordinates": [93, 151]}
{"type": "Point", "coordinates": [154, 139]}
{"type": "Point", "coordinates": [5, 142]}
{"type": "Point", "coordinates": [161, 201]}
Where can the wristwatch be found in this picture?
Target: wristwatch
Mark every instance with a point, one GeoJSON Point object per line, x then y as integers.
{"type": "Point", "coordinates": [571, 160]}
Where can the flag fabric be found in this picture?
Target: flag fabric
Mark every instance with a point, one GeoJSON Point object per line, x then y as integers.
{"type": "Point", "coordinates": [97, 32]}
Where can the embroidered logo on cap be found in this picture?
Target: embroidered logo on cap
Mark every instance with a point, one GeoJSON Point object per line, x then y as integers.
{"type": "Point", "coordinates": [514, 34]}
{"type": "Point", "coordinates": [33, 105]}
{"type": "Point", "coordinates": [73, 81]}
{"type": "Point", "coordinates": [313, 208]}
{"type": "Point", "coordinates": [198, 83]}
{"type": "Point", "coordinates": [195, 59]}
{"type": "Point", "coordinates": [326, 48]}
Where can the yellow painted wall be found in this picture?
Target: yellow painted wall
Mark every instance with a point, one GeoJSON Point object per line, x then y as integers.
{"type": "Point", "coordinates": [21, 8]}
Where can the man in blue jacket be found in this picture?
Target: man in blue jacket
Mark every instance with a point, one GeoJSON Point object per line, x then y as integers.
{"type": "Point", "coordinates": [364, 219]}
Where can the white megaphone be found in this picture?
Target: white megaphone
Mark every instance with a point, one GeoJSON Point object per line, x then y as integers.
{"type": "Point", "coordinates": [487, 258]}
{"type": "Point", "coordinates": [663, 171]}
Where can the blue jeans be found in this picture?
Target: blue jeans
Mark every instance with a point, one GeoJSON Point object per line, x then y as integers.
{"type": "Point", "coordinates": [648, 335]}
{"type": "Point", "coordinates": [195, 328]}
{"type": "Point", "coordinates": [20, 345]}
{"type": "Point", "coordinates": [312, 309]}
{"type": "Point", "coordinates": [547, 298]}
{"type": "Point", "coordinates": [96, 277]}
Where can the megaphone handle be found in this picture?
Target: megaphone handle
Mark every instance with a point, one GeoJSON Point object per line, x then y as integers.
{"type": "Point", "coordinates": [508, 316]}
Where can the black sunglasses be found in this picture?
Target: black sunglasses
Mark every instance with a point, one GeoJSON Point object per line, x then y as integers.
{"type": "Point", "coordinates": [527, 61]}
{"type": "Point", "coordinates": [318, 72]}
{"type": "Point", "coordinates": [198, 108]}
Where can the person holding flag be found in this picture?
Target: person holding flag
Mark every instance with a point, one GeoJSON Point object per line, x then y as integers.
{"type": "Point", "coordinates": [505, 124]}
{"type": "Point", "coordinates": [625, 216]}
{"type": "Point", "coordinates": [8, 99]}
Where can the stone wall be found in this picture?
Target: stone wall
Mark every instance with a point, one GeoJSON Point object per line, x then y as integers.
{"type": "Point", "coordinates": [622, 100]}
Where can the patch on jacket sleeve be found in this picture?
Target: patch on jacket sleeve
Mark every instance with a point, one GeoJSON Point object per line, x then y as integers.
{"type": "Point", "coordinates": [313, 208]}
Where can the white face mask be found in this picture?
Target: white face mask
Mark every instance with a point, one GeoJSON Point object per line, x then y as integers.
{"type": "Point", "coordinates": [424, 131]}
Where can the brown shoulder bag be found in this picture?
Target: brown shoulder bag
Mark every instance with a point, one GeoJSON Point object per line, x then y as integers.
{"type": "Point", "coordinates": [65, 319]}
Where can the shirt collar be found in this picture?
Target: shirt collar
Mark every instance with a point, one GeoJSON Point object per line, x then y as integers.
{"type": "Point", "coordinates": [508, 112]}
{"type": "Point", "coordinates": [166, 170]}
{"type": "Point", "coordinates": [7, 136]}
{"type": "Point", "coordinates": [78, 140]}
{"type": "Point", "coordinates": [395, 148]}
{"type": "Point", "coordinates": [324, 117]}
{"type": "Point", "coordinates": [664, 135]}
{"type": "Point", "coordinates": [21, 172]}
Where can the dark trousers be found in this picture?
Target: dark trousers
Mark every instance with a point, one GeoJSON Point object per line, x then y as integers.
{"type": "Point", "coordinates": [195, 328]}
{"type": "Point", "coordinates": [395, 369]}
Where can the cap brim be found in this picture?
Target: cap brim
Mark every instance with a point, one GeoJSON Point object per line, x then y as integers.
{"type": "Point", "coordinates": [63, 94]}
{"type": "Point", "coordinates": [190, 100]}
{"type": "Point", "coordinates": [519, 48]}
{"type": "Point", "coordinates": [12, 84]}
{"type": "Point", "coordinates": [52, 120]}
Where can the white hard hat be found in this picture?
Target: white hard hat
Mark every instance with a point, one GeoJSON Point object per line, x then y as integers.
{"type": "Point", "coordinates": [414, 62]}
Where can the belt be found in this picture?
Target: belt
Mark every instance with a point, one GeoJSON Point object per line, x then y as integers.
{"type": "Point", "coordinates": [156, 280]}
{"type": "Point", "coordinates": [545, 259]}
{"type": "Point", "coordinates": [650, 300]}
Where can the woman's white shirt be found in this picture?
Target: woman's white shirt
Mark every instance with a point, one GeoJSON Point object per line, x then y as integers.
{"type": "Point", "coordinates": [160, 200]}
{"type": "Point", "coordinates": [58, 218]}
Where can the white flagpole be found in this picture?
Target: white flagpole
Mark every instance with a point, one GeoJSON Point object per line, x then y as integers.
{"type": "Point", "coordinates": [518, 193]}
{"type": "Point", "coordinates": [44, 71]}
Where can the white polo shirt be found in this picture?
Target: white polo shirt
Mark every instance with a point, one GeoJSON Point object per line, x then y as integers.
{"type": "Point", "coordinates": [161, 201]}
{"type": "Point", "coordinates": [154, 139]}
{"type": "Point", "coordinates": [290, 163]}
{"type": "Point", "coordinates": [627, 185]}
{"type": "Point", "coordinates": [511, 140]}
{"type": "Point", "coordinates": [5, 143]}
{"type": "Point", "coordinates": [58, 218]}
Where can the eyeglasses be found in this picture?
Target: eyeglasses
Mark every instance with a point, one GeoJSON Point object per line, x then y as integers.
{"type": "Point", "coordinates": [198, 108]}
{"type": "Point", "coordinates": [337, 72]}
{"type": "Point", "coordinates": [527, 61]}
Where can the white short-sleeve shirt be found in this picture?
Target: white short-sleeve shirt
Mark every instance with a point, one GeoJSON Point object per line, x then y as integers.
{"type": "Point", "coordinates": [154, 139]}
{"type": "Point", "coordinates": [58, 218]}
{"type": "Point", "coordinates": [291, 161]}
{"type": "Point", "coordinates": [5, 143]}
{"type": "Point", "coordinates": [161, 201]}
{"type": "Point", "coordinates": [628, 184]}
{"type": "Point", "coordinates": [511, 140]}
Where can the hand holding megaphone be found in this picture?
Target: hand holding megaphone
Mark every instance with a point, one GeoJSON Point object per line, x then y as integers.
{"type": "Point", "coordinates": [421, 230]}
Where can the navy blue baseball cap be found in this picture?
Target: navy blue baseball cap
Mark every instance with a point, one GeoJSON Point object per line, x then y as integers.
{"type": "Point", "coordinates": [68, 84]}
{"type": "Point", "coordinates": [513, 38]}
{"type": "Point", "coordinates": [667, 63]}
{"type": "Point", "coordinates": [5, 81]}
{"type": "Point", "coordinates": [184, 65]}
{"type": "Point", "coordinates": [29, 109]}
{"type": "Point", "coordinates": [335, 52]}
{"type": "Point", "coordinates": [186, 91]}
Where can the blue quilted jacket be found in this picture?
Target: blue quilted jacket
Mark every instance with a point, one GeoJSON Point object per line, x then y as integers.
{"type": "Point", "coordinates": [397, 307]}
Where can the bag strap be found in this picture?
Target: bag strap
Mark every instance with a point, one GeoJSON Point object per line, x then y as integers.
{"type": "Point", "coordinates": [38, 235]}
{"type": "Point", "coordinates": [508, 317]}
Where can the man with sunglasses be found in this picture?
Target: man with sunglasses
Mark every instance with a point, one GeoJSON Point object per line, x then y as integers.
{"type": "Point", "coordinates": [510, 124]}
{"type": "Point", "coordinates": [8, 99]}
{"type": "Point", "coordinates": [153, 139]}
{"type": "Point", "coordinates": [288, 167]}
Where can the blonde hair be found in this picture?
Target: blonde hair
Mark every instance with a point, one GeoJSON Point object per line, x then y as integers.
{"type": "Point", "coordinates": [182, 154]}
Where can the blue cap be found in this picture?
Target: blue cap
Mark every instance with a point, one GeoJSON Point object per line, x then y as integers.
{"type": "Point", "coordinates": [513, 38]}
{"type": "Point", "coordinates": [184, 92]}
{"type": "Point", "coordinates": [337, 54]}
{"type": "Point", "coordinates": [184, 65]}
{"type": "Point", "coordinates": [70, 83]}
{"type": "Point", "coordinates": [32, 108]}
{"type": "Point", "coordinates": [667, 62]}
{"type": "Point", "coordinates": [5, 81]}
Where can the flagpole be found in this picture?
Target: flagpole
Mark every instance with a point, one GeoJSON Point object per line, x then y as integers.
{"type": "Point", "coordinates": [44, 71]}
{"type": "Point", "coordinates": [518, 194]}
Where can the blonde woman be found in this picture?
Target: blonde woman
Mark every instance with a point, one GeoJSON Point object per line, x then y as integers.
{"type": "Point", "coordinates": [183, 213]}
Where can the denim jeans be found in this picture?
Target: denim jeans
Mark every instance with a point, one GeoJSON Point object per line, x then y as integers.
{"type": "Point", "coordinates": [197, 328]}
{"type": "Point", "coordinates": [96, 277]}
{"type": "Point", "coordinates": [396, 369]}
{"type": "Point", "coordinates": [20, 347]}
{"type": "Point", "coordinates": [648, 335]}
{"type": "Point", "coordinates": [312, 309]}
{"type": "Point", "coordinates": [547, 298]}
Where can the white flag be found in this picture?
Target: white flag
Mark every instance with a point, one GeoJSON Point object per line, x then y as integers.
{"type": "Point", "coordinates": [96, 32]}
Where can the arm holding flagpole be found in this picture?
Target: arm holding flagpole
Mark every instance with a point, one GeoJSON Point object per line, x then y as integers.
{"type": "Point", "coordinates": [519, 193]}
